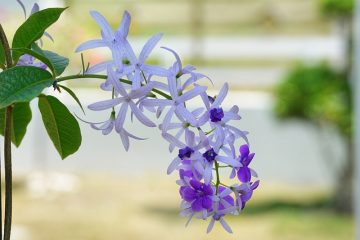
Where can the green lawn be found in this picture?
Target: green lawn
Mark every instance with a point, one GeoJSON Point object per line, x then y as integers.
{"type": "Point", "coordinates": [147, 208]}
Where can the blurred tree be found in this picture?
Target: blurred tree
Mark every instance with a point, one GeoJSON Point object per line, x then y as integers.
{"type": "Point", "coordinates": [338, 8]}
{"type": "Point", "coordinates": [342, 12]}
{"type": "Point", "coordinates": [322, 96]}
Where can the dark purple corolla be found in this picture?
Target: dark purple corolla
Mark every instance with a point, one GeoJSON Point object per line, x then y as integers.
{"type": "Point", "coordinates": [185, 152]}
{"type": "Point", "coordinates": [199, 195]}
{"type": "Point", "coordinates": [210, 155]}
{"type": "Point", "coordinates": [216, 114]}
{"type": "Point", "coordinates": [244, 172]}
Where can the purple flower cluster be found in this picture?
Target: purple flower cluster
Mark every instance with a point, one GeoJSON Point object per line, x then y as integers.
{"type": "Point", "coordinates": [205, 137]}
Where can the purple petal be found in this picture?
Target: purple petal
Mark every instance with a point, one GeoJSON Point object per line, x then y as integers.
{"type": "Point", "coordinates": [246, 197]}
{"type": "Point", "coordinates": [137, 79]}
{"type": "Point", "coordinates": [253, 173]}
{"type": "Point", "coordinates": [115, 82]}
{"type": "Point", "coordinates": [99, 67]}
{"type": "Point", "coordinates": [173, 165]}
{"type": "Point", "coordinates": [124, 139]}
{"type": "Point", "coordinates": [207, 202]}
{"type": "Point", "coordinates": [244, 150]}
{"type": "Point", "coordinates": [208, 173]}
{"type": "Point", "coordinates": [211, 225]}
{"type": "Point", "coordinates": [195, 184]}
{"type": "Point", "coordinates": [155, 70]}
{"type": "Point", "coordinates": [91, 44]}
{"type": "Point", "coordinates": [255, 185]}
{"type": "Point", "coordinates": [120, 119]}
{"type": "Point", "coordinates": [239, 133]}
{"type": "Point", "coordinates": [197, 112]}
{"type": "Point", "coordinates": [167, 119]}
{"type": "Point", "coordinates": [171, 126]}
{"type": "Point", "coordinates": [233, 173]}
{"type": "Point", "coordinates": [104, 25]}
{"type": "Point", "coordinates": [208, 190]}
{"type": "Point", "coordinates": [123, 29]}
{"type": "Point", "coordinates": [156, 102]}
{"type": "Point", "coordinates": [172, 140]}
{"type": "Point", "coordinates": [178, 61]}
{"type": "Point", "coordinates": [192, 93]}
{"type": "Point", "coordinates": [223, 191]}
{"type": "Point", "coordinates": [186, 114]}
{"type": "Point", "coordinates": [141, 92]}
{"type": "Point", "coordinates": [135, 137]}
{"type": "Point", "coordinates": [230, 161]}
{"type": "Point", "coordinates": [189, 138]}
{"type": "Point", "coordinates": [225, 225]}
{"type": "Point", "coordinates": [244, 174]}
{"type": "Point", "coordinates": [220, 136]}
{"type": "Point", "coordinates": [46, 34]}
{"type": "Point", "coordinates": [149, 46]}
{"type": "Point", "coordinates": [196, 206]}
{"type": "Point", "coordinates": [230, 116]}
{"type": "Point", "coordinates": [22, 6]}
{"type": "Point", "coordinates": [129, 52]}
{"type": "Point", "coordinates": [188, 194]}
{"type": "Point", "coordinates": [172, 86]}
{"type": "Point", "coordinates": [102, 105]}
{"type": "Point", "coordinates": [141, 116]}
{"type": "Point", "coordinates": [35, 8]}
{"type": "Point", "coordinates": [220, 98]}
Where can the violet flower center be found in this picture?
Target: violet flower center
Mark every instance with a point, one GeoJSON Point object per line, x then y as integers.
{"type": "Point", "coordinates": [210, 155]}
{"type": "Point", "coordinates": [185, 152]}
{"type": "Point", "coordinates": [216, 114]}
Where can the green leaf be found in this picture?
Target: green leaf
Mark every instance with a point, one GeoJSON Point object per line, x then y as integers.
{"type": "Point", "coordinates": [61, 125]}
{"type": "Point", "coordinates": [20, 120]}
{"type": "Point", "coordinates": [22, 84]}
{"type": "Point", "coordinates": [71, 93]}
{"type": "Point", "coordinates": [59, 62]}
{"type": "Point", "coordinates": [2, 55]}
{"type": "Point", "coordinates": [34, 27]}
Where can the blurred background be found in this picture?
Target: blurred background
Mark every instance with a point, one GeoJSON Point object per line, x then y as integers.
{"type": "Point", "coordinates": [288, 64]}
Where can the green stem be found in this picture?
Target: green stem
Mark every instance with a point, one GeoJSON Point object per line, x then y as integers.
{"type": "Point", "coordinates": [71, 77]}
{"type": "Point", "coordinates": [225, 185]}
{"type": "Point", "coordinates": [217, 176]}
{"type": "Point", "coordinates": [7, 148]}
{"type": "Point", "coordinates": [8, 174]}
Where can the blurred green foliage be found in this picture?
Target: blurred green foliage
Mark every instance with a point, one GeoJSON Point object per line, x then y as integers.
{"type": "Point", "coordinates": [342, 8]}
{"type": "Point", "coordinates": [315, 93]}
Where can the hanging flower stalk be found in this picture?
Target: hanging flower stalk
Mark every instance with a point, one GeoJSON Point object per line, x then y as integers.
{"type": "Point", "coordinates": [207, 144]}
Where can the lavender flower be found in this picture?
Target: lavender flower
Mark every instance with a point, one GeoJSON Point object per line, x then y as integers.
{"type": "Point", "coordinates": [126, 100]}
{"type": "Point", "coordinates": [28, 60]}
{"type": "Point", "coordinates": [176, 104]}
{"type": "Point", "coordinates": [184, 127]}
{"type": "Point", "coordinates": [114, 40]}
{"type": "Point", "coordinates": [138, 65]}
{"type": "Point", "coordinates": [105, 127]}
{"type": "Point", "coordinates": [244, 192]}
{"type": "Point", "coordinates": [224, 204]}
